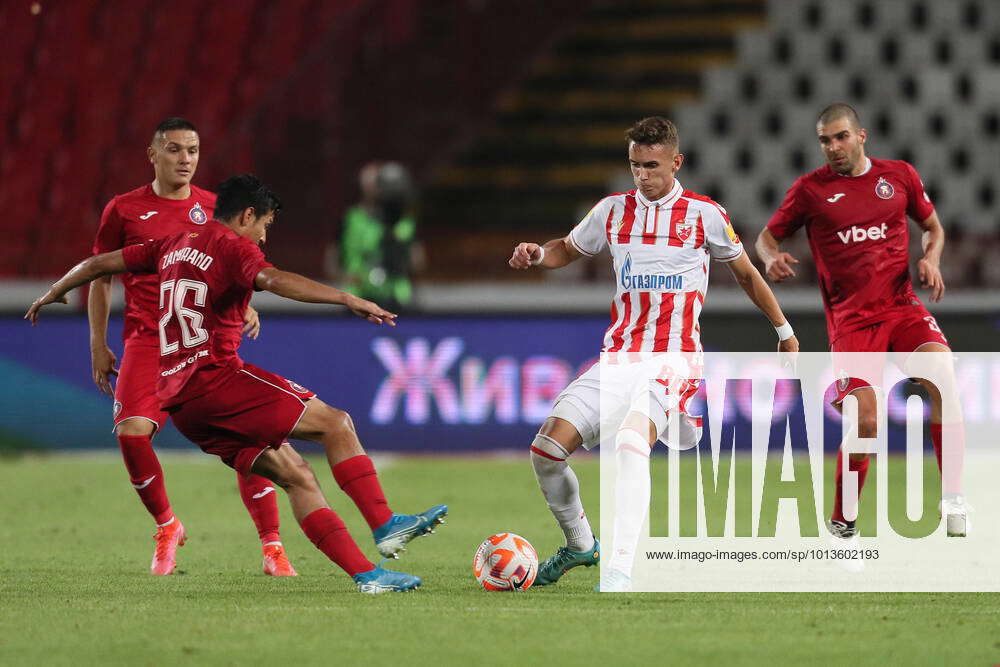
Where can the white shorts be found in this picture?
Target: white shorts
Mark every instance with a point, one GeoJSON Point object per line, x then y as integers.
{"type": "Point", "coordinates": [626, 390]}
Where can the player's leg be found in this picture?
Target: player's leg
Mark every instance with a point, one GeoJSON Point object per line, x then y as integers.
{"type": "Point", "coordinates": [261, 502]}
{"type": "Point", "coordinates": [146, 475]}
{"type": "Point", "coordinates": [845, 505]}
{"type": "Point", "coordinates": [321, 524]}
{"type": "Point", "coordinates": [356, 475]}
{"type": "Point", "coordinates": [555, 442]}
{"type": "Point", "coordinates": [950, 430]}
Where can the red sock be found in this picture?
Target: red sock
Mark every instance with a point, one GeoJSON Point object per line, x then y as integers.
{"type": "Point", "coordinates": [951, 478]}
{"type": "Point", "coordinates": [860, 467]}
{"type": "Point", "coordinates": [357, 477]}
{"type": "Point", "coordinates": [261, 501]}
{"type": "Point", "coordinates": [325, 529]}
{"type": "Point", "coordinates": [146, 475]}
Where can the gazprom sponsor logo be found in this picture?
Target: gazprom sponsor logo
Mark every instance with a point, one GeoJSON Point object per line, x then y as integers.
{"type": "Point", "coordinates": [648, 281]}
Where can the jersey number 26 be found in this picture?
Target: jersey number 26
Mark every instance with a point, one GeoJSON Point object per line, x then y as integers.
{"type": "Point", "coordinates": [173, 293]}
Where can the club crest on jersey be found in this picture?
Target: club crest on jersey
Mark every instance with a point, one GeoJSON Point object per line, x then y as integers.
{"type": "Point", "coordinates": [197, 214]}
{"type": "Point", "coordinates": [296, 386]}
{"type": "Point", "coordinates": [684, 232]}
{"type": "Point", "coordinates": [884, 189]}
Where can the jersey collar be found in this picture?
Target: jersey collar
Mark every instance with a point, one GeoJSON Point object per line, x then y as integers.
{"type": "Point", "coordinates": [868, 167]}
{"type": "Point", "coordinates": [668, 198]}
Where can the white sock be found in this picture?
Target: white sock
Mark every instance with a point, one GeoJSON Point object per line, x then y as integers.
{"type": "Point", "coordinates": [562, 492]}
{"type": "Point", "coordinates": [632, 492]}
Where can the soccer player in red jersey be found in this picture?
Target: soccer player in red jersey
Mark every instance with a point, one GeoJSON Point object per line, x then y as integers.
{"type": "Point", "coordinates": [243, 413]}
{"type": "Point", "coordinates": [171, 203]}
{"type": "Point", "coordinates": [855, 213]}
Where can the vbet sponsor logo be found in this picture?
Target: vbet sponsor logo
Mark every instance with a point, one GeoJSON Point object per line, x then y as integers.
{"type": "Point", "coordinates": [648, 281]}
{"type": "Point", "coordinates": [855, 233]}
{"type": "Point", "coordinates": [760, 482]}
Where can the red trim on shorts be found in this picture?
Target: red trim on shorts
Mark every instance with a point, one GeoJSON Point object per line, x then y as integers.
{"type": "Point", "coordinates": [628, 220]}
{"type": "Point", "coordinates": [640, 323]}
{"type": "Point", "coordinates": [677, 215]}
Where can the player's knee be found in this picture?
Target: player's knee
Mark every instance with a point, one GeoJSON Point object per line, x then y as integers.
{"type": "Point", "coordinates": [298, 474]}
{"type": "Point", "coordinates": [867, 426]}
{"type": "Point", "coordinates": [337, 422]}
{"type": "Point", "coordinates": [135, 427]}
{"type": "Point", "coordinates": [547, 455]}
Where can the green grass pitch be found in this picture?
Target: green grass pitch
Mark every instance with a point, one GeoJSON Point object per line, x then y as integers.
{"type": "Point", "coordinates": [75, 588]}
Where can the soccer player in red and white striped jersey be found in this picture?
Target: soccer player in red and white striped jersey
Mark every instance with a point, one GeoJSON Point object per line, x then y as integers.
{"type": "Point", "coordinates": [661, 238]}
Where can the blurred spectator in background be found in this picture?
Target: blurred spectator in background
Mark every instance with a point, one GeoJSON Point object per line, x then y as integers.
{"type": "Point", "coordinates": [378, 241]}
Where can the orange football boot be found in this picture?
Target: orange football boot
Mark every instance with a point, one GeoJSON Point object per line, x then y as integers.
{"type": "Point", "coordinates": [168, 538]}
{"type": "Point", "coordinates": [276, 562]}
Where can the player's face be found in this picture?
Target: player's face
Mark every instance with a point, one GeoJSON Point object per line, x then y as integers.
{"type": "Point", "coordinates": [258, 227]}
{"type": "Point", "coordinates": [174, 156]}
{"type": "Point", "coordinates": [653, 168]}
{"type": "Point", "coordinates": [843, 146]}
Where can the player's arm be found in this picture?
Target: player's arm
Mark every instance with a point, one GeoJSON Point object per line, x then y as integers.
{"type": "Point", "coordinates": [102, 359]}
{"type": "Point", "coordinates": [555, 254]}
{"type": "Point", "coordinates": [753, 284]}
{"type": "Point", "coordinates": [777, 264]}
{"type": "Point", "coordinates": [929, 266]}
{"type": "Point", "coordinates": [89, 269]}
{"type": "Point", "coordinates": [299, 288]}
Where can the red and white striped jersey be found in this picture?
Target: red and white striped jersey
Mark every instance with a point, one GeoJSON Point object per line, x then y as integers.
{"type": "Point", "coordinates": [660, 251]}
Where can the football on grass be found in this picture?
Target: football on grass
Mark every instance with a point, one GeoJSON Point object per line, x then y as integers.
{"type": "Point", "coordinates": [505, 562]}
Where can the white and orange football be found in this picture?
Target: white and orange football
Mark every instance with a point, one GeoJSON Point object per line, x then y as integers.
{"type": "Point", "coordinates": [505, 562]}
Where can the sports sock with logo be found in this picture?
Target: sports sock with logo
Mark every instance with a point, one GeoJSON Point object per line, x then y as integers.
{"type": "Point", "coordinates": [861, 468]}
{"type": "Point", "coordinates": [562, 492]}
{"type": "Point", "coordinates": [357, 477]}
{"type": "Point", "coordinates": [261, 501]}
{"type": "Point", "coordinates": [146, 475]}
{"type": "Point", "coordinates": [327, 531]}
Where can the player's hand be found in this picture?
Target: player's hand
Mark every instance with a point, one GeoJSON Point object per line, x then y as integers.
{"type": "Point", "coordinates": [930, 278]}
{"type": "Point", "coordinates": [102, 362]}
{"type": "Point", "coordinates": [251, 326]}
{"type": "Point", "coordinates": [780, 267]}
{"type": "Point", "coordinates": [525, 254]}
{"type": "Point", "coordinates": [44, 300]}
{"type": "Point", "coordinates": [371, 311]}
{"type": "Point", "coordinates": [788, 353]}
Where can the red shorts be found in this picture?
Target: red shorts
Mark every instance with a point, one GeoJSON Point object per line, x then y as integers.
{"type": "Point", "coordinates": [903, 333]}
{"type": "Point", "coordinates": [252, 411]}
{"type": "Point", "coordinates": [135, 390]}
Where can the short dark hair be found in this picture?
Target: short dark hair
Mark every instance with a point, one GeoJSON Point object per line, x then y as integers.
{"type": "Point", "coordinates": [653, 130]}
{"type": "Point", "coordinates": [839, 110]}
{"type": "Point", "coordinates": [238, 193]}
{"type": "Point", "coordinates": [173, 123]}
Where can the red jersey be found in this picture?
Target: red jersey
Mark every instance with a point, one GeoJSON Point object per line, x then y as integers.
{"type": "Point", "coordinates": [138, 216]}
{"type": "Point", "coordinates": [859, 238]}
{"type": "Point", "coordinates": [204, 280]}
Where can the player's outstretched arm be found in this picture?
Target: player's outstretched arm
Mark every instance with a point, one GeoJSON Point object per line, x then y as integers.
{"type": "Point", "coordinates": [299, 288]}
{"type": "Point", "coordinates": [753, 284]}
{"type": "Point", "coordinates": [89, 269]}
{"type": "Point", "coordinates": [777, 264]}
{"type": "Point", "coordinates": [929, 266]}
{"type": "Point", "coordinates": [555, 254]}
{"type": "Point", "coordinates": [102, 359]}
